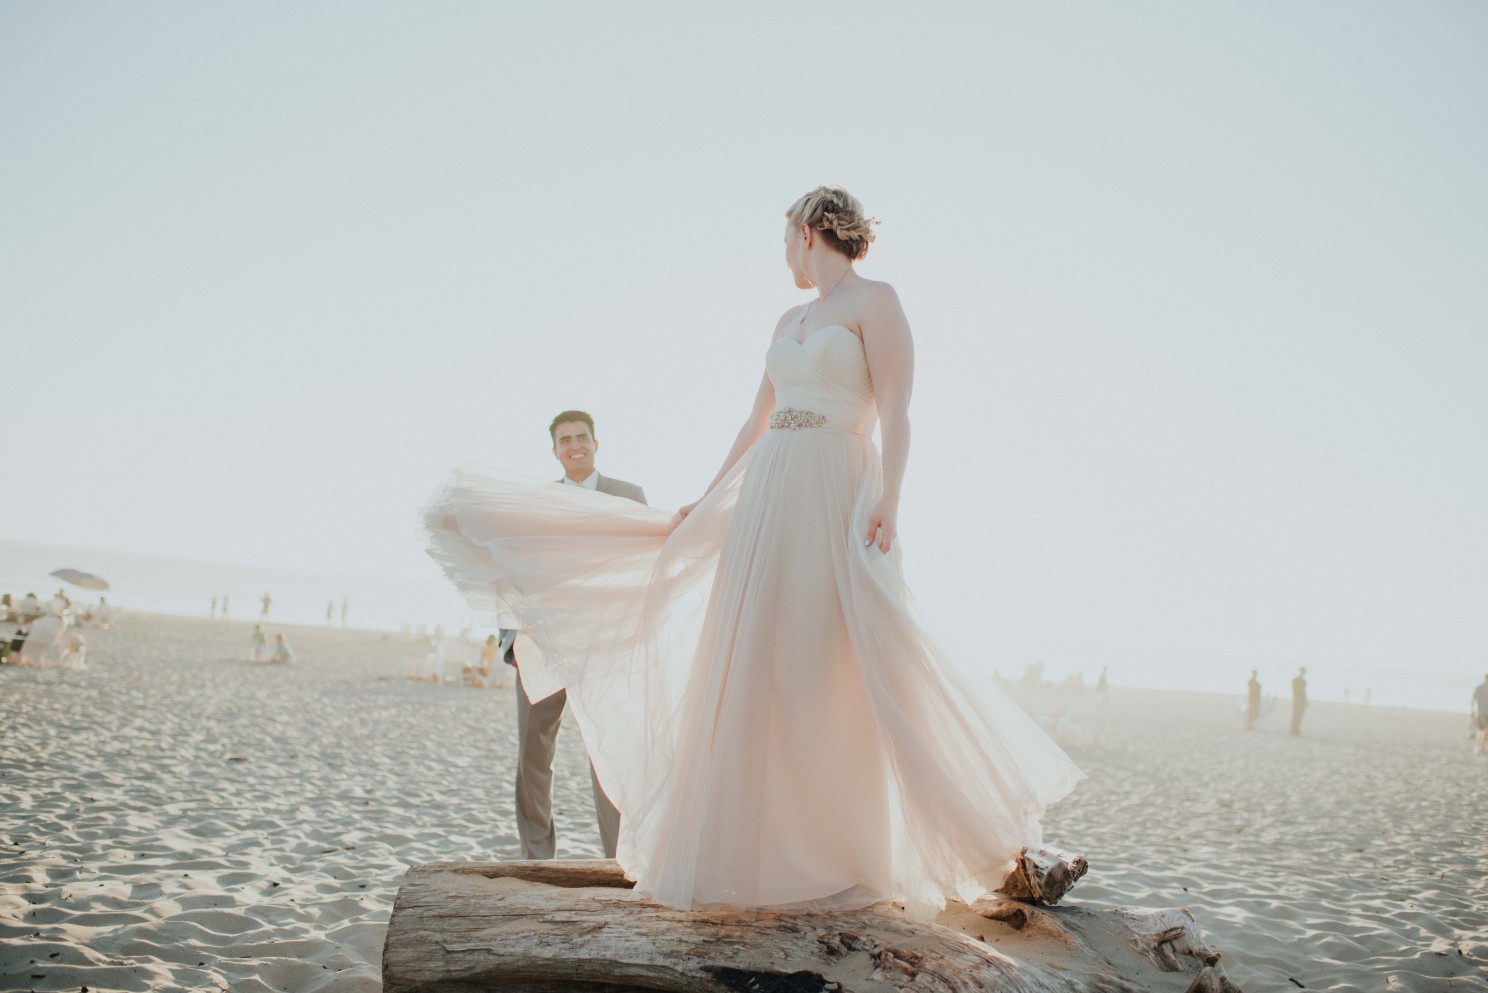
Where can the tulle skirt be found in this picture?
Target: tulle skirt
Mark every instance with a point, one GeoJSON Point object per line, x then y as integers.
{"type": "Point", "coordinates": [753, 687]}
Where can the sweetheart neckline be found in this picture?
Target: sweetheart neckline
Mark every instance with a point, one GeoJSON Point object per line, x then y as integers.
{"type": "Point", "coordinates": [802, 341]}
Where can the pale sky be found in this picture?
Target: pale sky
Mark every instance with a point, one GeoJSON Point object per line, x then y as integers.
{"type": "Point", "coordinates": [1199, 291]}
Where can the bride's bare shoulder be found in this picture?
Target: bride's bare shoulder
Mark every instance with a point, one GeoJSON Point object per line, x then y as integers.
{"type": "Point", "coordinates": [877, 303]}
{"type": "Point", "coordinates": [877, 291]}
{"type": "Point", "coordinates": [786, 319]}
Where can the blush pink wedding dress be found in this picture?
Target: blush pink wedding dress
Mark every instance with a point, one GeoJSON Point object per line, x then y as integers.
{"type": "Point", "coordinates": [755, 692]}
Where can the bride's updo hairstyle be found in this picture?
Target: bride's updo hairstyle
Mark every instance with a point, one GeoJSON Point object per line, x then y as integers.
{"type": "Point", "coordinates": [838, 217]}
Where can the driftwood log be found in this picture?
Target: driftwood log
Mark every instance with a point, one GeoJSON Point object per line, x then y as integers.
{"type": "Point", "coordinates": [1043, 874]}
{"type": "Point", "coordinates": [546, 927]}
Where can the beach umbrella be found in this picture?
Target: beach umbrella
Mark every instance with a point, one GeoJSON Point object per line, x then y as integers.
{"type": "Point", "coordinates": [77, 577]}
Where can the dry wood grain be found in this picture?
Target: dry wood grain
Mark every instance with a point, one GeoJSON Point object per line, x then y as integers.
{"type": "Point", "coordinates": [542, 927]}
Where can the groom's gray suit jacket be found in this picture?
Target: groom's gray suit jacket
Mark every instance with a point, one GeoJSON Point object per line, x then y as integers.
{"type": "Point", "coordinates": [607, 484]}
{"type": "Point", "coordinates": [620, 488]}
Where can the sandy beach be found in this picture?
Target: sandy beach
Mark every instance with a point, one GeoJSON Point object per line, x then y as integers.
{"type": "Point", "coordinates": [174, 817]}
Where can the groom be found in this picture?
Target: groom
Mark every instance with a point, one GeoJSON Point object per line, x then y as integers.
{"type": "Point", "coordinates": [574, 446]}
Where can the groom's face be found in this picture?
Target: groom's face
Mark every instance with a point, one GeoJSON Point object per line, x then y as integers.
{"type": "Point", "coordinates": [574, 446]}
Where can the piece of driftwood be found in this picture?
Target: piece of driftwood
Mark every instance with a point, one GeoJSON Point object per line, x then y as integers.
{"type": "Point", "coordinates": [1043, 874]}
{"type": "Point", "coordinates": [1164, 935]}
{"type": "Point", "coordinates": [546, 927]}
{"type": "Point", "coordinates": [1211, 980]}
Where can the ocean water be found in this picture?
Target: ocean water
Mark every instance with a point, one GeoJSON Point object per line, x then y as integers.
{"type": "Point", "coordinates": [162, 585]}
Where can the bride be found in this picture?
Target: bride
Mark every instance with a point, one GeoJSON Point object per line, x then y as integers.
{"type": "Point", "coordinates": [757, 695]}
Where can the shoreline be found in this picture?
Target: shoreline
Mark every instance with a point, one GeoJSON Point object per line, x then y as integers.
{"type": "Point", "coordinates": [179, 587]}
{"type": "Point", "coordinates": [1009, 685]}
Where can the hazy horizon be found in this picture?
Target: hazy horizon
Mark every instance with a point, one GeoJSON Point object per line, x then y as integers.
{"type": "Point", "coordinates": [1200, 293]}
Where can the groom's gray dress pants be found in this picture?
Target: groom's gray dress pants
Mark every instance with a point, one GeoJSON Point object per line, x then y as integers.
{"type": "Point", "coordinates": [537, 738]}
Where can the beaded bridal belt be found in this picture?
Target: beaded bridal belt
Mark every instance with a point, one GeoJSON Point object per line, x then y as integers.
{"type": "Point", "coordinates": [789, 417]}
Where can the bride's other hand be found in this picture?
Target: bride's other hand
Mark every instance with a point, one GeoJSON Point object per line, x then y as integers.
{"type": "Point", "coordinates": [682, 512]}
{"type": "Point", "coordinates": [883, 525]}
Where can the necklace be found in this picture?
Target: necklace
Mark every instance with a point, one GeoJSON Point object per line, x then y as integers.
{"type": "Point", "coordinates": [812, 309]}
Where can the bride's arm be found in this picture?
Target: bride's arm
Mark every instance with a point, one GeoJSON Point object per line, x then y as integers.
{"type": "Point", "coordinates": [890, 350]}
{"type": "Point", "coordinates": [756, 425]}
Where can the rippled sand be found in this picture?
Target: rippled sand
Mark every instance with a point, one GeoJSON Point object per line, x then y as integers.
{"type": "Point", "coordinates": [174, 817]}
{"type": "Point", "coordinates": [1352, 858]}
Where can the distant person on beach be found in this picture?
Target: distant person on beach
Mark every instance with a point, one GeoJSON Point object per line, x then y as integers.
{"type": "Point", "coordinates": [1480, 715]}
{"type": "Point", "coordinates": [259, 651]}
{"type": "Point", "coordinates": [478, 672]}
{"type": "Point", "coordinates": [1101, 685]}
{"type": "Point", "coordinates": [7, 609]}
{"type": "Point", "coordinates": [330, 611]}
{"type": "Point", "coordinates": [224, 607]}
{"type": "Point", "coordinates": [343, 610]}
{"type": "Point", "coordinates": [214, 608]}
{"type": "Point", "coordinates": [282, 653]}
{"type": "Point", "coordinates": [488, 656]}
{"type": "Point", "coordinates": [267, 600]}
{"type": "Point", "coordinates": [1252, 700]}
{"type": "Point", "coordinates": [31, 608]}
{"type": "Point", "coordinates": [574, 446]}
{"type": "Point", "coordinates": [74, 650]}
{"type": "Point", "coordinates": [18, 638]}
{"type": "Point", "coordinates": [1299, 699]}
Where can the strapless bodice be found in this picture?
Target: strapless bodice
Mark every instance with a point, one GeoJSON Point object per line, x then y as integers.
{"type": "Point", "coordinates": [825, 374]}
